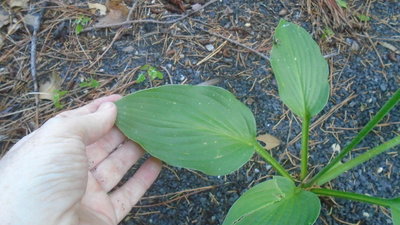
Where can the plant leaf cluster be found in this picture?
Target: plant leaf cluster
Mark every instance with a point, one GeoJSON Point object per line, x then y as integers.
{"type": "Point", "coordinates": [206, 128]}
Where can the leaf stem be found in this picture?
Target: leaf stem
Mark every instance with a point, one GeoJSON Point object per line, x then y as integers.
{"type": "Point", "coordinates": [360, 136]}
{"type": "Point", "coordinates": [352, 196]}
{"type": "Point", "coordinates": [275, 164]}
{"type": "Point", "coordinates": [304, 146]}
{"type": "Point", "coordinates": [358, 160]}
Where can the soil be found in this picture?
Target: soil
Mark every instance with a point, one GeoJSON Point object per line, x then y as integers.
{"type": "Point", "coordinates": [364, 74]}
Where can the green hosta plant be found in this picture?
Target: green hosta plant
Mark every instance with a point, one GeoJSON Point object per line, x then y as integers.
{"type": "Point", "coordinates": [206, 128]}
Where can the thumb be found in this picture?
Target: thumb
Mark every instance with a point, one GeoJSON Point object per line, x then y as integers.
{"type": "Point", "coordinates": [88, 127]}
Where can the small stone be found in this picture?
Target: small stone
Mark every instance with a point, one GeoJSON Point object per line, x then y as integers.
{"type": "Point", "coordinates": [354, 46]}
{"type": "Point", "coordinates": [128, 49]}
{"type": "Point", "coordinates": [247, 24]}
{"type": "Point", "coordinates": [210, 47]}
{"type": "Point", "coordinates": [383, 87]}
{"type": "Point", "coordinates": [256, 170]}
{"type": "Point", "coordinates": [283, 12]}
{"type": "Point", "coordinates": [369, 100]}
{"type": "Point", "coordinates": [365, 214]}
{"type": "Point", "coordinates": [392, 57]}
{"type": "Point", "coordinates": [379, 170]}
{"type": "Point", "coordinates": [101, 70]}
{"type": "Point", "coordinates": [196, 7]}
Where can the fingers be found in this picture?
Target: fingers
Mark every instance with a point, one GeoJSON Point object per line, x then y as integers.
{"type": "Point", "coordinates": [130, 193]}
{"type": "Point", "coordinates": [87, 128]}
{"type": "Point", "coordinates": [110, 171]}
{"type": "Point", "coordinates": [91, 107]}
{"type": "Point", "coordinates": [99, 150]}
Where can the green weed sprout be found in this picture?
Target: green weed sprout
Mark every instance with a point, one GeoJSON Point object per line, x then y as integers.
{"type": "Point", "coordinates": [81, 22]}
{"type": "Point", "coordinates": [58, 94]}
{"type": "Point", "coordinates": [206, 128]}
{"type": "Point", "coordinates": [92, 83]}
{"type": "Point", "coordinates": [149, 71]}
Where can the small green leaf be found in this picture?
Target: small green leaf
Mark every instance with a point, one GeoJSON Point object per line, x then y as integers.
{"type": "Point", "coordinates": [57, 98]}
{"type": "Point", "coordinates": [188, 126]}
{"type": "Point", "coordinates": [78, 28]}
{"type": "Point", "coordinates": [85, 20]}
{"type": "Point", "coordinates": [91, 83]}
{"type": "Point", "coordinates": [141, 78]}
{"type": "Point", "coordinates": [342, 3]}
{"type": "Point", "coordinates": [300, 69]}
{"type": "Point", "coordinates": [154, 73]}
{"type": "Point", "coordinates": [327, 33]}
{"type": "Point", "coordinates": [275, 202]}
{"type": "Point", "coordinates": [363, 18]}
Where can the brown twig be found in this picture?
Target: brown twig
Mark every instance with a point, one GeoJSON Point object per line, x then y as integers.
{"type": "Point", "coordinates": [35, 27]}
{"type": "Point", "coordinates": [235, 42]}
{"type": "Point", "coordinates": [131, 10]}
{"type": "Point", "coordinates": [150, 20]}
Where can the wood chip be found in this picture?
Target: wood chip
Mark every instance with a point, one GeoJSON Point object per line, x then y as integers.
{"type": "Point", "coordinates": [390, 47]}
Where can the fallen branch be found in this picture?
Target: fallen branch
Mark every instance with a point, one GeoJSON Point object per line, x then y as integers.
{"type": "Point", "coordinates": [35, 26]}
{"type": "Point", "coordinates": [130, 22]}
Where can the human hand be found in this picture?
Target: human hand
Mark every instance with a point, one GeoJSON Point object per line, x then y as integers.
{"type": "Point", "coordinates": [63, 172]}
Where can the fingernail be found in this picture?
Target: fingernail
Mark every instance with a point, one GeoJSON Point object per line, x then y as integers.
{"type": "Point", "coordinates": [106, 106]}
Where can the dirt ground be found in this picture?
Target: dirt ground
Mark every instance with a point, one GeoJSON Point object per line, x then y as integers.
{"type": "Point", "coordinates": [227, 42]}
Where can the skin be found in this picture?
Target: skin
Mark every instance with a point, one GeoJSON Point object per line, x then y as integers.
{"type": "Point", "coordinates": [63, 172]}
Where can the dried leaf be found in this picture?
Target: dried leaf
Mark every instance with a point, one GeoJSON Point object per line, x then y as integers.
{"type": "Point", "coordinates": [269, 141]}
{"type": "Point", "coordinates": [4, 17]}
{"type": "Point", "coordinates": [390, 47]}
{"type": "Point", "coordinates": [49, 88]}
{"type": "Point", "coordinates": [18, 3]}
{"type": "Point", "coordinates": [336, 148]}
{"type": "Point", "coordinates": [96, 6]}
{"type": "Point", "coordinates": [179, 4]}
{"type": "Point", "coordinates": [118, 13]}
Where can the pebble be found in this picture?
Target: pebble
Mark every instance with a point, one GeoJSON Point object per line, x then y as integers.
{"type": "Point", "coordinates": [383, 86]}
{"type": "Point", "coordinates": [210, 47]}
{"type": "Point", "coordinates": [354, 46]}
{"type": "Point", "coordinates": [379, 170]}
{"type": "Point", "coordinates": [283, 12]}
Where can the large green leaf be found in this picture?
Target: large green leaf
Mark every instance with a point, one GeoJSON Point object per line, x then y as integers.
{"type": "Point", "coordinates": [198, 127]}
{"type": "Point", "coordinates": [395, 210]}
{"type": "Point", "coordinates": [275, 202]}
{"type": "Point", "coordinates": [300, 69]}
